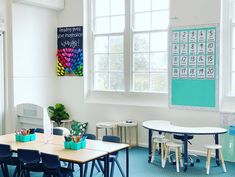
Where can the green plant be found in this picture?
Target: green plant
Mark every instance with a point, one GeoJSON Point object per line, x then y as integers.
{"type": "Point", "coordinates": [57, 113]}
{"type": "Point", "coordinates": [78, 128]}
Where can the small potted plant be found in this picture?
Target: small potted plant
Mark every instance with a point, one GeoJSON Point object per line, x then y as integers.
{"type": "Point", "coordinates": [57, 113]}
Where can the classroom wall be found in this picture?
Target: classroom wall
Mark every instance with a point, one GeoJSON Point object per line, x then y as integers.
{"type": "Point", "coordinates": [71, 89]}
{"type": "Point", "coordinates": [34, 53]}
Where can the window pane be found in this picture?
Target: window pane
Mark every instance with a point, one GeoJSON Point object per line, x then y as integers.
{"type": "Point", "coordinates": [233, 84]}
{"type": "Point", "coordinates": [160, 4]}
{"type": "Point", "coordinates": [117, 81]}
{"type": "Point", "coordinates": [116, 44]}
{"type": "Point", "coordinates": [141, 82]}
{"type": "Point", "coordinates": [101, 44]}
{"type": "Point", "coordinates": [101, 8]}
{"type": "Point", "coordinates": [116, 62]}
{"type": "Point", "coordinates": [101, 81]}
{"type": "Point", "coordinates": [160, 20]}
{"type": "Point", "coordinates": [233, 37]}
{"type": "Point", "coordinates": [158, 62]}
{"type": "Point", "coordinates": [142, 5]}
{"type": "Point", "coordinates": [117, 24]}
{"type": "Point", "coordinates": [141, 42]}
{"type": "Point", "coordinates": [233, 60]}
{"type": "Point", "coordinates": [158, 82]}
{"type": "Point", "coordinates": [159, 41]}
{"type": "Point", "coordinates": [101, 62]}
{"type": "Point", "coordinates": [142, 21]}
{"type": "Point", "coordinates": [117, 7]}
{"type": "Point", "coordinates": [141, 62]}
{"type": "Point", "coordinates": [102, 25]}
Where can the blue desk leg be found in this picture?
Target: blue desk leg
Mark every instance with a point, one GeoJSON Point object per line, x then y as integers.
{"type": "Point", "coordinates": [127, 162]}
{"type": "Point", "coordinates": [217, 151]}
{"type": "Point", "coordinates": [150, 145]}
{"type": "Point", "coordinates": [185, 152]}
{"type": "Point", "coordinates": [106, 165]}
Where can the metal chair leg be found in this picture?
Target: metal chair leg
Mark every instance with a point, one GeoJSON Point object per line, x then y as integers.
{"type": "Point", "coordinates": [100, 165]}
{"type": "Point", "coordinates": [96, 166]}
{"type": "Point", "coordinates": [119, 167]}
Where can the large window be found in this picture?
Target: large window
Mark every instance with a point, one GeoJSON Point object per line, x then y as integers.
{"type": "Point", "coordinates": [233, 49]}
{"type": "Point", "coordinates": [142, 27]}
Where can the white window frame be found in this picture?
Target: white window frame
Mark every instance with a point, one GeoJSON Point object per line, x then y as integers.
{"type": "Point", "coordinates": [128, 96]}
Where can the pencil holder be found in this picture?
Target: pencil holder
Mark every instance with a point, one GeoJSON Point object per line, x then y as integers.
{"type": "Point", "coordinates": [17, 137]}
{"type": "Point", "coordinates": [25, 138]}
{"type": "Point", "coordinates": [67, 144]}
{"type": "Point", "coordinates": [32, 137]}
{"type": "Point", "coordinates": [76, 146]}
{"type": "Point", "coordinates": [83, 144]}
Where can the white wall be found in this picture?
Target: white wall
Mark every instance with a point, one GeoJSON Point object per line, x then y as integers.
{"type": "Point", "coordinates": [71, 89]}
{"type": "Point", "coordinates": [34, 53]}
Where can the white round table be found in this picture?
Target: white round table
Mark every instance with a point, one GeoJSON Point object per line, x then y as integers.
{"type": "Point", "coordinates": [166, 127]}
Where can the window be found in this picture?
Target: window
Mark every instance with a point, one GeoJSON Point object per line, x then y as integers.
{"type": "Point", "coordinates": [140, 26]}
{"type": "Point", "coordinates": [233, 50]}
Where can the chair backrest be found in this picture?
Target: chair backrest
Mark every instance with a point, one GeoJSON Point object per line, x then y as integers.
{"type": "Point", "coordinates": [27, 156]}
{"type": "Point", "coordinates": [56, 131]}
{"type": "Point", "coordinates": [90, 136]}
{"type": "Point", "coordinates": [112, 139]}
{"type": "Point", "coordinates": [5, 151]}
{"type": "Point", "coordinates": [51, 163]}
{"type": "Point", "coordinates": [39, 130]}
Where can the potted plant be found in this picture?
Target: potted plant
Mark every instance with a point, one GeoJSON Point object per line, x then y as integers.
{"type": "Point", "coordinates": [57, 113]}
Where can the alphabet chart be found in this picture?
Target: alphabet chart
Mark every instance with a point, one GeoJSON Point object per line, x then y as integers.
{"type": "Point", "coordinates": [193, 66]}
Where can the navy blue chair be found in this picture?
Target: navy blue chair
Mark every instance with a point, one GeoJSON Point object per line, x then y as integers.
{"type": "Point", "coordinates": [113, 157]}
{"type": "Point", "coordinates": [6, 159]}
{"type": "Point", "coordinates": [51, 165]}
{"type": "Point", "coordinates": [30, 161]}
{"type": "Point", "coordinates": [56, 131]}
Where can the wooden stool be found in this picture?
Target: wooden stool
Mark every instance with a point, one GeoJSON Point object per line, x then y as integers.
{"type": "Point", "coordinates": [178, 158]}
{"type": "Point", "coordinates": [156, 142]}
{"type": "Point", "coordinates": [106, 126]}
{"type": "Point", "coordinates": [214, 147]}
{"type": "Point", "coordinates": [127, 126]}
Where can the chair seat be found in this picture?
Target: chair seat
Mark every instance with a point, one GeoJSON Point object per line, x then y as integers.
{"type": "Point", "coordinates": [213, 146]}
{"type": "Point", "coordinates": [173, 144]}
{"type": "Point", "coordinates": [33, 167]}
{"type": "Point", "coordinates": [10, 161]}
{"type": "Point", "coordinates": [163, 140]}
{"type": "Point", "coordinates": [181, 137]}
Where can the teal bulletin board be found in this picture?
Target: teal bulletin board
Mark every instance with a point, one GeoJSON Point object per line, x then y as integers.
{"type": "Point", "coordinates": [193, 67]}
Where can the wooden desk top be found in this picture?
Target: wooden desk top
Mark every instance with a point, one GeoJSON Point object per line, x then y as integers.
{"type": "Point", "coordinates": [80, 156]}
{"type": "Point", "coordinates": [91, 144]}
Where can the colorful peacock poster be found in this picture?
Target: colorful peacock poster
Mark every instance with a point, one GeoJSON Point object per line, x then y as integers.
{"type": "Point", "coordinates": [70, 51]}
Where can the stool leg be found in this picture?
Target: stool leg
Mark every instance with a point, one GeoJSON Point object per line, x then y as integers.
{"type": "Point", "coordinates": [137, 136]}
{"type": "Point", "coordinates": [177, 159]}
{"type": "Point", "coordinates": [208, 162]}
{"type": "Point", "coordinates": [181, 161]}
{"type": "Point", "coordinates": [153, 152]}
{"type": "Point", "coordinates": [121, 134]}
{"type": "Point", "coordinates": [112, 131]}
{"type": "Point", "coordinates": [106, 131]}
{"type": "Point", "coordinates": [162, 153]}
{"type": "Point", "coordinates": [97, 133]}
{"type": "Point", "coordinates": [130, 136]}
{"type": "Point", "coordinates": [166, 155]}
{"type": "Point", "coordinates": [222, 160]}
{"type": "Point", "coordinates": [117, 130]}
{"type": "Point", "coordinates": [125, 134]}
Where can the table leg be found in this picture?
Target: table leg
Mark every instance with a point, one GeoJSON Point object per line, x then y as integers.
{"type": "Point", "coordinates": [97, 133]}
{"type": "Point", "coordinates": [81, 169]}
{"type": "Point", "coordinates": [130, 136]}
{"type": "Point", "coordinates": [137, 136]}
{"type": "Point", "coordinates": [127, 162]}
{"type": "Point", "coordinates": [150, 145]}
{"type": "Point", "coordinates": [185, 152]}
{"type": "Point", "coordinates": [106, 165]}
{"type": "Point", "coordinates": [217, 150]}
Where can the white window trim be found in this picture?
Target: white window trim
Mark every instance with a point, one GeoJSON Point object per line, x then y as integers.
{"type": "Point", "coordinates": [227, 100]}
{"type": "Point", "coordinates": [128, 96]}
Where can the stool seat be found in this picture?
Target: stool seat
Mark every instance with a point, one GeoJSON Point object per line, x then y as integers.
{"type": "Point", "coordinates": [163, 140]}
{"type": "Point", "coordinates": [174, 144]}
{"type": "Point", "coordinates": [158, 136]}
{"type": "Point", "coordinates": [106, 125]}
{"type": "Point", "coordinates": [213, 146]}
{"type": "Point", "coordinates": [127, 124]}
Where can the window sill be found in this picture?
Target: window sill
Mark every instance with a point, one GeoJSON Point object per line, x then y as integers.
{"type": "Point", "coordinates": [128, 98]}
